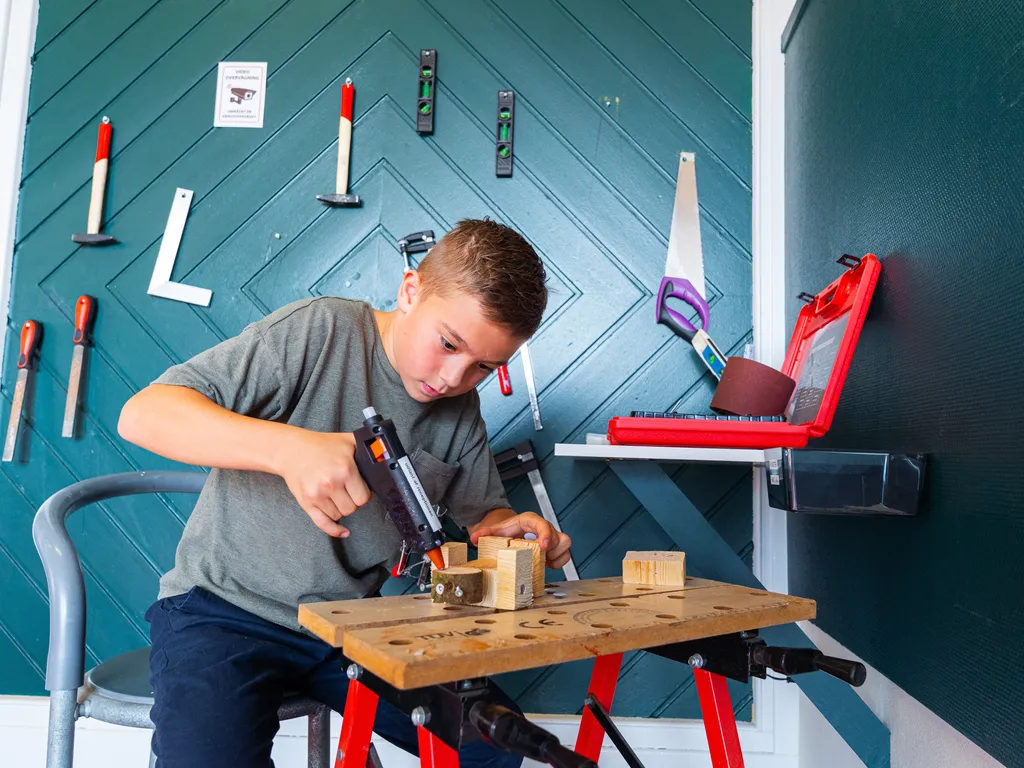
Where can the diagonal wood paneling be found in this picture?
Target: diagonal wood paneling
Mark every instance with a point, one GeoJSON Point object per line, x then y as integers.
{"type": "Point", "coordinates": [607, 94]}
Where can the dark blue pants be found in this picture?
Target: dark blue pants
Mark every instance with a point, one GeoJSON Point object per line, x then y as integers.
{"type": "Point", "coordinates": [219, 674]}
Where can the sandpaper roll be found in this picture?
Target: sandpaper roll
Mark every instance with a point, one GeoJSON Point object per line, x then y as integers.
{"type": "Point", "coordinates": [749, 388]}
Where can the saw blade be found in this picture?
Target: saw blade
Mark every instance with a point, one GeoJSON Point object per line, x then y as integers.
{"type": "Point", "coordinates": [685, 258]}
{"type": "Point", "coordinates": [16, 404]}
{"type": "Point", "coordinates": [74, 383]}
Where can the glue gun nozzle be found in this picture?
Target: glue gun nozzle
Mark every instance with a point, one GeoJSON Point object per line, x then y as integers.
{"type": "Point", "coordinates": [436, 558]}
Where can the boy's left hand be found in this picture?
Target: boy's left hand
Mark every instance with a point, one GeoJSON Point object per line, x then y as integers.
{"type": "Point", "coordinates": [555, 544]}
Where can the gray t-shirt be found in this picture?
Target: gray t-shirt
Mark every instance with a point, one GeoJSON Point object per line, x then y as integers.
{"type": "Point", "coordinates": [316, 364]}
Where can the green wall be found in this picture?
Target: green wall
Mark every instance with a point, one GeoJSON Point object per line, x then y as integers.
{"type": "Point", "coordinates": [904, 130]}
{"type": "Point", "coordinates": [607, 93]}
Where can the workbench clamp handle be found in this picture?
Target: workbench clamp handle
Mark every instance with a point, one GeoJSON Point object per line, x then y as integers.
{"type": "Point", "coordinates": [795, 661]}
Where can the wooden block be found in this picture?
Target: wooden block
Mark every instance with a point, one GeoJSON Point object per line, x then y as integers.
{"type": "Point", "coordinates": [654, 568]}
{"type": "Point", "coordinates": [538, 559]}
{"type": "Point", "coordinates": [488, 546]}
{"type": "Point", "coordinates": [515, 579]}
{"type": "Point", "coordinates": [454, 553]}
{"type": "Point", "coordinates": [458, 585]}
{"type": "Point", "coordinates": [489, 570]}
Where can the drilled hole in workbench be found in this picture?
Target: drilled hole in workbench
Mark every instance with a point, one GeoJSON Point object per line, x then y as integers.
{"type": "Point", "coordinates": [485, 621]}
{"type": "Point", "coordinates": [607, 579]}
{"type": "Point", "coordinates": [551, 586]}
{"type": "Point", "coordinates": [601, 626]}
{"type": "Point", "coordinates": [525, 637]}
{"type": "Point", "coordinates": [585, 594]}
{"type": "Point", "coordinates": [643, 589]}
{"type": "Point", "coordinates": [556, 613]}
{"type": "Point", "coordinates": [341, 611]}
{"type": "Point", "coordinates": [665, 616]}
{"type": "Point", "coordinates": [400, 642]}
{"type": "Point", "coordinates": [621, 605]}
{"type": "Point", "coordinates": [453, 607]}
{"type": "Point", "coordinates": [689, 578]}
{"type": "Point", "coordinates": [758, 594]}
{"type": "Point", "coordinates": [422, 597]}
{"type": "Point", "coordinates": [722, 608]}
{"type": "Point", "coordinates": [677, 597]}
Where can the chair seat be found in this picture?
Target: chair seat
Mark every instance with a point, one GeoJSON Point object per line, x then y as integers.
{"type": "Point", "coordinates": [124, 677]}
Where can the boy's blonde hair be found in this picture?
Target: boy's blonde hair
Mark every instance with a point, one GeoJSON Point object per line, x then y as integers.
{"type": "Point", "coordinates": [494, 264]}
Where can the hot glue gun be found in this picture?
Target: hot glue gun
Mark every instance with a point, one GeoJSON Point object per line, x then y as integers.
{"type": "Point", "coordinates": [391, 477]}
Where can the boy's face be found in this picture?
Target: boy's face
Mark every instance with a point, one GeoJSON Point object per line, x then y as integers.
{"type": "Point", "coordinates": [443, 345]}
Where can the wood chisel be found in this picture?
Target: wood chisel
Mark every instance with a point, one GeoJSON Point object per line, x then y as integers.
{"type": "Point", "coordinates": [85, 316]}
{"type": "Point", "coordinates": [31, 339]}
{"type": "Point", "coordinates": [531, 385]}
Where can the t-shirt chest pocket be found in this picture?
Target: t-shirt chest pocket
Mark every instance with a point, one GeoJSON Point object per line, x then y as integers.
{"type": "Point", "coordinates": [435, 475]}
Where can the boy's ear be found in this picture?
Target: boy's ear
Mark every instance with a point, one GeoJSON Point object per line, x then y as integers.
{"type": "Point", "coordinates": [410, 290]}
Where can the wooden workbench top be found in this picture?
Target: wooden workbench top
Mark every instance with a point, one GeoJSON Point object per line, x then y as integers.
{"type": "Point", "coordinates": [411, 642]}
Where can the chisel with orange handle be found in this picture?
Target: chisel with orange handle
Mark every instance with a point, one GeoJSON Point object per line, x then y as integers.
{"type": "Point", "coordinates": [85, 316]}
{"type": "Point", "coordinates": [31, 339]}
{"type": "Point", "coordinates": [93, 236]}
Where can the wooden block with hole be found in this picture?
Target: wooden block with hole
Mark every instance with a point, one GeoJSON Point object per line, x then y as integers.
{"type": "Point", "coordinates": [514, 579]}
{"type": "Point", "coordinates": [489, 546]}
{"type": "Point", "coordinates": [657, 569]}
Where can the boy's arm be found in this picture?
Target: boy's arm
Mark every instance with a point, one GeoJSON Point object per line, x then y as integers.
{"type": "Point", "coordinates": [505, 522]}
{"type": "Point", "coordinates": [219, 409]}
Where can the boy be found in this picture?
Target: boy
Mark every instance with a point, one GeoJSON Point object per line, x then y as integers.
{"type": "Point", "coordinates": [285, 517]}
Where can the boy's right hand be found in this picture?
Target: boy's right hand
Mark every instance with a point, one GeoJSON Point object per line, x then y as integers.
{"type": "Point", "coordinates": [320, 471]}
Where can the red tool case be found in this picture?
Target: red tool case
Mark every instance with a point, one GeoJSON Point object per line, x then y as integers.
{"type": "Point", "coordinates": [818, 358]}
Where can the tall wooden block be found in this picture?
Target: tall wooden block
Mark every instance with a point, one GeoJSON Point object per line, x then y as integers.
{"type": "Point", "coordinates": [654, 568]}
{"type": "Point", "coordinates": [489, 546]}
{"type": "Point", "coordinates": [537, 555]}
{"type": "Point", "coordinates": [515, 579]}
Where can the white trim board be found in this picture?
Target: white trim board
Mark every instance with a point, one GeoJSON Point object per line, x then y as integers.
{"type": "Point", "coordinates": [17, 38]}
{"type": "Point", "coordinates": [658, 744]}
{"type": "Point", "coordinates": [769, 323]}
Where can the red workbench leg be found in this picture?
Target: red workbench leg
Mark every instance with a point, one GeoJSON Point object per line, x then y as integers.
{"type": "Point", "coordinates": [719, 721]}
{"type": "Point", "coordinates": [434, 753]}
{"type": "Point", "coordinates": [602, 685]}
{"type": "Point", "coordinates": [356, 726]}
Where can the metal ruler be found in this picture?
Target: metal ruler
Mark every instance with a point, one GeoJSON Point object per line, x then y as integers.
{"type": "Point", "coordinates": [531, 385]}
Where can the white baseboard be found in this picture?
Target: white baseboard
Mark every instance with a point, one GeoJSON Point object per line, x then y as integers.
{"type": "Point", "coordinates": [920, 738]}
{"type": "Point", "coordinates": [658, 743]}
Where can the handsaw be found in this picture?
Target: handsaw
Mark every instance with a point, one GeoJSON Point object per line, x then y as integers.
{"type": "Point", "coordinates": [684, 270]}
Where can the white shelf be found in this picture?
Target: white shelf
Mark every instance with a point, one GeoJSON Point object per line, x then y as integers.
{"type": "Point", "coordinates": [597, 447]}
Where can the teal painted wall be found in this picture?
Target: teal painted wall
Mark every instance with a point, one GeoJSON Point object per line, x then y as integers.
{"type": "Point", "coordinates": [904, 129]}
{"type": "Point", "coordinates": [607, 94]}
